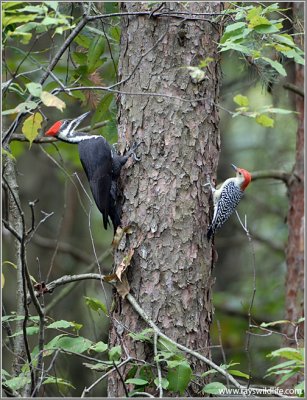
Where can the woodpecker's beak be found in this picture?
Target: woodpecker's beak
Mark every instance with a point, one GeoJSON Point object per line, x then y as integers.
{"type": "Point", "coordinates": [234, 167]}
{"type": "Point", "coordinates": [77, 121]}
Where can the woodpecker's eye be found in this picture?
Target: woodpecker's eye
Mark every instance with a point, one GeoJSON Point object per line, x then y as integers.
{"type": "Point", "coordinates": [240, 173]}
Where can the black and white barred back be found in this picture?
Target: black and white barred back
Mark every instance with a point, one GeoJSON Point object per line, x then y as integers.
{"type": "Point", "coordinates": [228, 201]}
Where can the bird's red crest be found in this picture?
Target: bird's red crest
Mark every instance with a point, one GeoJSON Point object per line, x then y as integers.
{"type": "Point", "coordinates": [247, 177]}
{"type": "Point", "coordinates": [54, 129]}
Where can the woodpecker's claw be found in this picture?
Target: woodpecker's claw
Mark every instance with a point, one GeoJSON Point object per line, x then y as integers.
{"type": "Point", "coordinates": [132, 151]}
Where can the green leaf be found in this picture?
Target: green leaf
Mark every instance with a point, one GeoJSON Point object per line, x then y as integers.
{"type": "Point", "coordinates": [137, 381]}
{"type": "Point", "coordinates": [235, 46]}
{"type": "Point", "coordinates": [164, 344]}
{"type": "Point", "coordinates": [99, 347]}
{"type": "Point", "coordinates": [115, 353]}
{"type": "Point", "coordinates": [52, 4]}
{"type": "Point", "coordinates": [33, 9]}
{"type": "Point", "coordinates": [102, 109]}
{"type": "Point", "coordinates": [282, 365]}
{"type": "Point", "coordinates": [31, 126]}
{"type": "Point", "coordinates": [241, 100]}
{"type": "Point", "coordinates": [238, 373]}
{"type": "Point", "coordinates": [144, 336]}
{"type": "Point", "coordinates": [31, 330]}
{"type": "Point", "coordinates": [62, 324]}
{"type": "Point", "coordinates": [22, 107]}
{"type": "Point", "coordinates": [83, 41]}
{"type": "Point", "coordinates": [276, 65]}
{"type": "Point", "coordinates": [300, 386]}
{"type": "Point", "coordinates": [52, 101]}
{"type": "Point", "coordinates": [265, 29]}
{"type": "Point", "coordinates": [99, 366]}
{"type": "Point", "coordinates": [253, 12]}
{"type": "Point", "coordinates": [265, 121]}
{"type": "Point", "coordinates": [179, 377]}
{"type": "Point", "coordinates": [73, 344]}
{"type": "Point", "coordinates": [235, 26]}
{"type": "Point", "coordinates": [286, 377]}
{"type": "Point", "coordinates": [258, 20]}
{"type": "Point", "coordinates": [34, 88]}
{"type": "Point", "coordinates": [234, 32]}
{"type": "Point", "coordinates": [287, 352]}
{"type": "Point", "coordinates": [17, 19]}
{"type": "Point", "coordinates": [95, 305]}
{"type": "Point", "coordinates": [24, 37]}
{"type": "Point", "coordinates": [164, 383]}
{"type": "Point", "coordinates": [10, 4]}
{"type": "Point", "coordinates": [18, 382]}
{"type": "Point", "coordinates": [57, 381]}
{"type": "Point", "coordinates": [94, 52]}
{"type": "Point", "coordinates": [209, 372]}
{"type": "Point", "coordinates": [214, 388]}
{"type": "Point", "coordinates": [114, 31]}
{"type": "Point", "coordinates": [79, 58]}
{"type": "Point", "coordinates": [271, 8]}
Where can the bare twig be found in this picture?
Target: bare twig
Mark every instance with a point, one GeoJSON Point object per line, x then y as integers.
{"type": "Point", "coordinates": [87, 390]}
{"type": "Point", "coordinates": [160, 388]}
{"type": "Point", "coordinates": [204, 359]}
{"type": "Point", "coordinates": [295, 89]}
{"type": "Point", "coordinates": [272, 174]}
{"type": "Point", "coordinates": [62, 247]}
{"type": "Point", "coordinates": [222, 348]}
{"type": "Point", "coordinates": [249, 313]}
{"type": "Point", "coordinates": [121, 379]}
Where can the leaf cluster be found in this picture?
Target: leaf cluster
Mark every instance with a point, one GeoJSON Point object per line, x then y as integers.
{"type": "Point", "coordinates": [260, 37]}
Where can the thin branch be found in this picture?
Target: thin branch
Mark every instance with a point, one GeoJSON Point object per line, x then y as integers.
{"type": "Point", "coordinates": [62, 247]}
{"type": "Point", "coordinates": [160, 388]}
{"type": "Point", "coordinates": [251, 304]}
{"type": "Point", "coordinates": [295, 89]}
{"type": "Point", "coordinates": [11, 229]}
{"type": "Point", "coordinates": [272, 174]}
{"type": "Point", "coordinates": [221, 346]}
{"type": "Point", "coordinates": [121, 379]}
{"type": "Point", "coordinates": [206, 360]}
{"type": "Point", "coordinates": [171, 14]}
{"type": "Point", "coordinates": [87, 390]}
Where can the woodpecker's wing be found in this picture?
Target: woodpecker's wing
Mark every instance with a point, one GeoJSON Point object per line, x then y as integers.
{"type": "Point", "coordinates": [228, 201]}
{"type": "Point", "coordinates": [95, 156]}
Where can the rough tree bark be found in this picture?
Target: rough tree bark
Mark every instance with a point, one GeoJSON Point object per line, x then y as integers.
{"type": "Point", "coordinates": [295, 248]}
{"type": "Point", "coordinates": [164, 200]}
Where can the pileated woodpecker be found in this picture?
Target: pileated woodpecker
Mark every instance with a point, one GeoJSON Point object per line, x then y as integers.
{"type": "Point", "coordinates": [100, 162]}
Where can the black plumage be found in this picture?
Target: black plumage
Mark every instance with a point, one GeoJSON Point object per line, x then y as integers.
{"type": "Point", "coordinates": [102, 167]}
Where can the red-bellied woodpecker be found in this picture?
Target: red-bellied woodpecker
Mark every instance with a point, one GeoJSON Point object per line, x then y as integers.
{"type": "Point", "coordinates": [227, 197]}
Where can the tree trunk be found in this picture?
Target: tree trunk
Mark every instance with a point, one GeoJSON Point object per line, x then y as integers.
{"type": "Point", "coordinates": [295, 248]}
{"type": "Point", "coordinates": [163, 198]}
